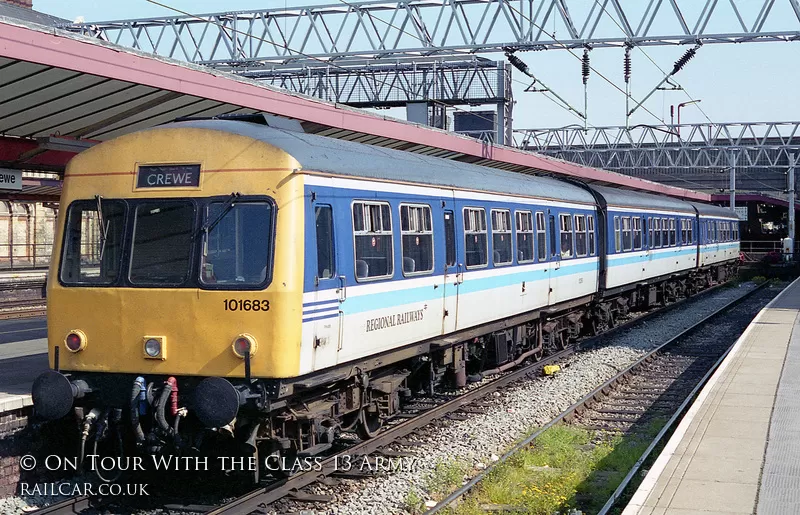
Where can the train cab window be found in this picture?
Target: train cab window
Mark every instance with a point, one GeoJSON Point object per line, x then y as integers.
{"type": "Point", "coordinates": [475, 241]}
{"type": "Point", "coordinates": [524, 236]}
{"type": "Point", "coordinates": [450, 238]}
{"type": "Point", "coordinates": [617, 235]}
{"type": "Point", "coordinates": [162, 242]}
{"type": "Point", "coordinates": [372, 234]}
{"type": "Point", "coordinates": [541, 236]}
{"type": "Point", "coordinates": [236, 246]}
{"type": "Point", "coordinates": [627, 239]}
{"type": "Point", "coordinates": [501, 237]}
{"type": "Point", "coordinates": [590, 225]}
{"type": "Point", "coordinates": [672, 234]}
{"type": "Point", "coordinates": [565, 232]}
{"type": "Point", "coordinates": [93, 250]}
{"type": "Point", "coordinates": [326, 256]}
{"type": "Point", "coordinates": [580, 235]}
{"type": "Point", "coordinates": [416, 231]}
{"type": "Point", "coordinates": [637, 232]}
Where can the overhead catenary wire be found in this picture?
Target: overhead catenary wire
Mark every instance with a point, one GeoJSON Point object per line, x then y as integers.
{"type": "Point", "coordinates": [554, 162]}
{"type": "Point", "coordinates": [515, 61]}
{"type": "Point", "coordinates": [642, 50]}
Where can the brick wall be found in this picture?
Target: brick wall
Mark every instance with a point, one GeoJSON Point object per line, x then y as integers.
{"type": "Point", "coordinates": [20, 436]}
{"type": "Point", "coordinates": [20, 3]}
{"type": "Point", "coordinates": [14, 443]}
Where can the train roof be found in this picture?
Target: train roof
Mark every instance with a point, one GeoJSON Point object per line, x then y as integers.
{"type": "Point", "coordinates": [712, 210]}
{"type": "Point", "coordinates": [347, 158]}
{"type": "Point", "coordinates": [636, 199]}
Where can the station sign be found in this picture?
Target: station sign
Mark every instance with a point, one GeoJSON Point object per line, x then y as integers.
{"type": "Point", "coordinates": [741, 212]}
{"type": "Point", "coordinates": [10, 179]}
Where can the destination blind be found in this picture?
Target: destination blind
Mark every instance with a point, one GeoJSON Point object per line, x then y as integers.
{"type": "Point", "coordinates": [168, 176]}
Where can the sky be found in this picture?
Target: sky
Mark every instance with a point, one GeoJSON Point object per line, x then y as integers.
{"type": "Point", "coordinates": [735, 82]}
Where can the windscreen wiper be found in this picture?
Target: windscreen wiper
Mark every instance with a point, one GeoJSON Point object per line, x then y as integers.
{"type": "Point", "coordinates": [103, 225]}
{"type": "Point", "coordinates": [210, 225]}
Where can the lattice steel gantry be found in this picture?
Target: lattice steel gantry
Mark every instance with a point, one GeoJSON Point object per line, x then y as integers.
{"type": "Point", "coordinates": [416, 28]}
{"type": "Point", "coordinates": [698, 153]}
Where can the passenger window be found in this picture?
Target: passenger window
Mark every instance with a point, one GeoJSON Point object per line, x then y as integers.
{"type": "Point", "coordinates": [689, 231]}
{"type": "Point", "coordinates": [656, 241]}
{"type": "Point", "coordinates": [627, 239]}
{"type": "Point", "coordinates": [476, 243]}
{"type": "Point", "coordinates": [553, 249]}
{"type": "Point", "coordinates": [617, 235]}
{"type": "Point", "coordinates": [372, 233]}
{"type": "Point", "coordinates": [580, 235]}
{"type": "Point", "coordinates": [450, 238]}
{"type": "Point", "coordinates": [416, 239]}
{"type": "Point", "coordinates": [326, 260]}
{"type": "Point", "coordinates": [590, 219]}
{"type": "Point", "coordinates": [637, 232]}
{"type": "Point", "coordinates": [524, 236]}
{"type": "Point", "coordinates": [650, 241]}
{"type": "Point", "coordinates": [672, 232]}
{"type": "Point", "coordinates": [501, 237]}
{"type": "Point", "coordinates": [565, 225]}
{"type": "Point", "coordinates": [684, 232]}
{"type": "Point", "coordinates": [541, 236]}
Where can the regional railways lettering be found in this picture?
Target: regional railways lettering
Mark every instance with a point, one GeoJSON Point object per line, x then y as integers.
{"type": "Point", "coordinates": [376, 324]}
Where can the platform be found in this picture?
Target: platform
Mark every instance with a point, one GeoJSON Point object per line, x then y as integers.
{"type": "Point", "coordinates": [23, 356]}
{"type": "Point", "coordinates": [737, 450]}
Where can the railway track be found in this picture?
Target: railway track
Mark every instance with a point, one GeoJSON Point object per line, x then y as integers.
{"type": "Point", "coordinates": [22, 308]}
{"type": "Point", "coordinates": [419, 414]}
{"type": "Point", "coordinates": [662, 383]}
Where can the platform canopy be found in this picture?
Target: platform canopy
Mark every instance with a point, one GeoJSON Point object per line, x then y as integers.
{"type": "Point", "coordinates": [61, 92]}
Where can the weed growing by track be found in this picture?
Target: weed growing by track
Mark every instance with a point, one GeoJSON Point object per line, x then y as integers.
{"type": "Point", "coordinates": [566, 468]}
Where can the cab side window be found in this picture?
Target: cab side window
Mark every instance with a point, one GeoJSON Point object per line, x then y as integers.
{"type": "Point", "coordinates": [326, 259]}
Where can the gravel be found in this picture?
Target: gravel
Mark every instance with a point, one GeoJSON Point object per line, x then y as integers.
{"type": "Point", "coordinates": [478, 441]}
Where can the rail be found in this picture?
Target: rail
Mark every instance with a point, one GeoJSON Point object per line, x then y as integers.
{"type": "Point", "coordinates": [598, 392]}
{"type": "Point", "coordinates": [287, 487]}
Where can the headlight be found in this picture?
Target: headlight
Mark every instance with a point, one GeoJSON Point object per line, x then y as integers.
{"type": "Point", "coordinates": [75, 341]}
{"type": "Point", "coordinates": [244, 343]}
{"type": "Point", "coordinates": [155, 347]}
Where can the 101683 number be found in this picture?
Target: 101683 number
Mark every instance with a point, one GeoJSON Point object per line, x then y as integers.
{"type": "Point", "coordinates": [246, 305]}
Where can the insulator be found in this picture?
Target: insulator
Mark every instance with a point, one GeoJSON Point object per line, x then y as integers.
{"type": "Point", "coordinates": [685, 58]}
{"type": "Point", "coordinates": [517, 63]}
{"type": "Point", "coordinates": [627, 65]}
{"type": "Point", "coordinates": [585, 66]}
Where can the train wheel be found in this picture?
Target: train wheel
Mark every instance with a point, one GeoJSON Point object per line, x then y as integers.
{"type": "Point", "coordinates": [368, 424]}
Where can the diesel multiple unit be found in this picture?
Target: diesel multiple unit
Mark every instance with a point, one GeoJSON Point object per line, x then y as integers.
{"type": "Point", "coordinates": [227, 279]}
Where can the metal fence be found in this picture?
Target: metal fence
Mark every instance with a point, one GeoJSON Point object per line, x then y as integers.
{"type": "Point", "coordinates": [25, 256]}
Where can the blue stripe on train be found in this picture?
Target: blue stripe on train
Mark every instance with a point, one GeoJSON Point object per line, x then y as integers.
{"type": "Point", "coordinates": [323, 317]}
{"type": "Point", "coordinates": [395, 298]}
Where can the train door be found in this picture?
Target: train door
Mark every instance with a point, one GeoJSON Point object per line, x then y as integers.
{"type": "Point", "coordinates": [330, 291]}
{"type": "Point", "coordinates": [555, 262]}
{"type": "Point", "coordinates": [453, 271]}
